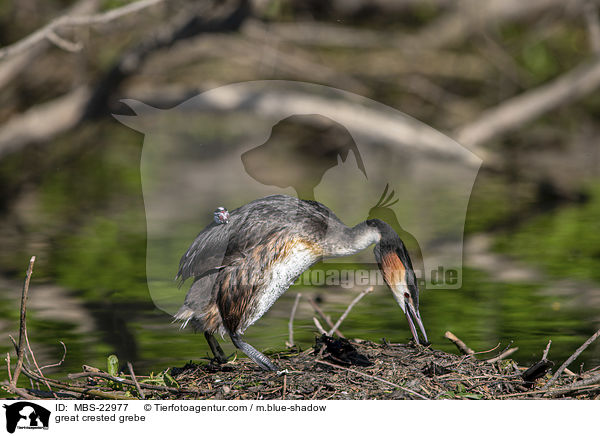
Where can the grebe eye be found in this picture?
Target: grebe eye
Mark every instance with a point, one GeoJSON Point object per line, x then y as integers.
{"type": "Point", "coordinates": [406, 295]}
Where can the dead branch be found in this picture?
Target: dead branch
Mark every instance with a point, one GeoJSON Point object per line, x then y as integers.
{"type": "Point", "coordinates": [488, 351]}
{"type": "Point", "coordinates": [284, 386]}
{"type": "Point", "coordinates": [323, 315]}
{"type": "Point", "coordinates": [290, 342]}
{"type": "Point", "coordinates": [22, 324]}
{"type": "Point", "coordinates": [517, 111]}
{"type": "Point", "coordinates": [462, 347]}
{"type": "Point", "coordinates": [189, 22]}
{"type": "Point", "coordinates": [503, 355]}
{"type": "Point", "coordinates": [36, 364]}
{"type": "Point", "coordinates": [135, 382]}
{"type": "Point", "coordinates": [11, 68]}
{"type": "Point", "coordinates": [571, 359]}
{"type": "Point", "coordinates": [8, 368]}
{"type": "Point", "coordinates": [80, 390]}
{"type": "Point", "coordinates": [60, 362]}
{"type": "Point", "coordinates": [43, 122]}
{"type": "Point", "coordinates": [545, 355]}
{"type": "Point", "coordinates": [468, 17]}
{"type": "Point", "coordinates": [348, 309]}
{"type": "Point", "coordinates": [50, 29]}
{"type": "Point", "coordinates": [319, 326]}
{"type": "Point", "coordinates": [20, 391]}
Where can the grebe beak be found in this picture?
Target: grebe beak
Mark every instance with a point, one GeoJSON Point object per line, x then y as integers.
{"type": "Point", "coordinates": [414, 317]}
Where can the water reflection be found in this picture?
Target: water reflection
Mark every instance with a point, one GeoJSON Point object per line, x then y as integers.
{"type": "Point", "coordinates": [483, 314]}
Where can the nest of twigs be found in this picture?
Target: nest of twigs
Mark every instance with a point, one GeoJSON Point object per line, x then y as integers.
{"type": "Point", "coordinates": [332, 369]}
{"type": "Point", "coordinates": [383, 371]}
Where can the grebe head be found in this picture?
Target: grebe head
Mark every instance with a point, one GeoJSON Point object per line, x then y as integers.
{"type": "Point", "coordinates": [395, 264]}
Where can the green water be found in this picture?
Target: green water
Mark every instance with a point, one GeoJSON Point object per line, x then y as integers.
{"type": "Point", "coordinates": [91, 217]}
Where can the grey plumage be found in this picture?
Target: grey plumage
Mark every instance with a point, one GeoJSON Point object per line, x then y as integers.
{"type": "Point", "coordinates": [240, 268]}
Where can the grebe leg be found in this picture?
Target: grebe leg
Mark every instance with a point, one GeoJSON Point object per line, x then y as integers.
{"type": "Point", "coordinates": [260, 359]}
{"type": "Point", "coordinates": [215, 348]}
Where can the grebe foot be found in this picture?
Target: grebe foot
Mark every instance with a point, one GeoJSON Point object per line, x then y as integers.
{"type": "Point", "coordinates": [215, 348]}
{"type": "Point", "coordinates": [258, 357]}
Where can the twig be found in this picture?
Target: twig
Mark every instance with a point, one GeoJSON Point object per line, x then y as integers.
{"type": "Point", "coordinates": [63, 43]}
{"type": "Point", "coordinates": [290, 342]}
{"type": "Point", "coordinates": [8, 367]}
{"type": "Point", "coordinates": [44, 121]}
{"type": "Point", "coordinates": [20, 391]}
{"type": "Point", "coordinates": [314, 395]}
{"type": "Point", "coordinates": [462, 347]}
{"type": "Point", "coordinates": [135, 382]}
{"type": "Point", "coordinates": [503, 355]}
{"type": "Point", "coordinates": [348, 309]}
{"type": "Point", "coordinates": [514, 112]}
{"type": "Point", "coordinates": [571, 359]}
{"type": "Point", "coordinates": [284, 386]}
{"type": "Point", "coordinates": [327, 319]}
{"type": "Point", "coordinates": [374, 377]}
{"type": "Point", "coordinates": [21, 347]}
{"type": "Point", "coordinates": [590, 383]}
{"type": "Point", "coordinates": [61, 360]}
{"type": "Point", "coordinates": [319, 326]}
{"type": "Point", "coordinates": [488, 351]}
{"type": "Point", "coordinates": [36, 364]}
{"type": "Point", "coordinates": [78, 389]}
{"type": "Point", "coordinates": [545, 355]}
{"type": "Point", "coordinates": [73, 21]}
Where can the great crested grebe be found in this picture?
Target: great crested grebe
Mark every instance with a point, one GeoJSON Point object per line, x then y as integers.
{"type": "Point", "coordinates": [246, 259]}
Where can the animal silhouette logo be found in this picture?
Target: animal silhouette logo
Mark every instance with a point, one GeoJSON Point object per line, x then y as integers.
{"type": "Point", "coordinates": [26, 415]}
{"type": "Point", "coordinates": [299, 151]}
{"type": "Point", "coordinates": [233, 144]}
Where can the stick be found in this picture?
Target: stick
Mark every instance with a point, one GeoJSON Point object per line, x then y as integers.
{"type": "Point", "coordinates": [284, 386]}
{"type": "Point", "coordinates": [79, 389]}
{"type": "Point", "coordinates": [373, 377]}
{"type": "Point", "coordinates": [327, 319]}
{"type": "Point", "coordinates": [462, 347]}
{"type": "Point", "coordinates": [135, 382]}
{"type": "Point", "coordinates": [8, 368]}
{"type": "Point", "coordinates": [514, 112]}
{"type": "Point", "coordinates": [583, 384]}
{"type": "Point", "coordinates": [20, 391]}
{"type": "Point", "coordinates": [73, 21]}
{"type": "Point", "coordinates": [61, 360]}
{"type": "Point", "coordinates": [488, 351]}
{"type": "Point", "coordinates": [545, 355]}
{"type": "Point", "coordinates": [36, 364]}
{"type": "Point", "coordinates": [290, 342]}
{"type": "Point", "coordinates": [571, 359]}
{"type": "Point", "coordinates": [319, 326]}
{"type": "Point", "coordinates": [502, 355]}
{"type": "Point", "coordinates": [21, 349]}
{"type": "Point", "coordinates": [348, 309]}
